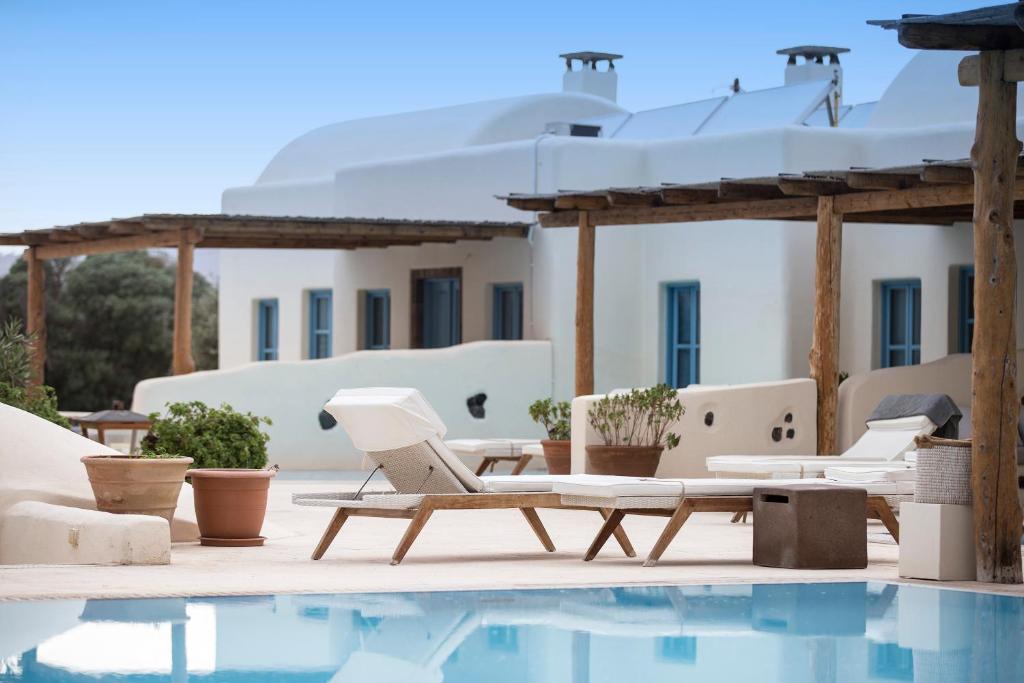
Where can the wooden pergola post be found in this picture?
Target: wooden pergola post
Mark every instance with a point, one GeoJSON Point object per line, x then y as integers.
{"type": "Point", "coordinates": [585, 307]}
{"type": "Point", "coordinates": [35, 323]}
{"type": "Point", "coordinates": [824, 356]}
{"type": "Point", "coordinates": [994, 398]}
{"type": "Point", "coordinates": [183, 362]}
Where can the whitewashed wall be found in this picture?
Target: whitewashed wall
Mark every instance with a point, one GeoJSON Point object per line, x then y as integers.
{"type": "Point", "coordinates": [512, 374]}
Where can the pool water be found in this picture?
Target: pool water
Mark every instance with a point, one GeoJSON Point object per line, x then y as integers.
{"type": "Point", "coordinates": [841, 632]}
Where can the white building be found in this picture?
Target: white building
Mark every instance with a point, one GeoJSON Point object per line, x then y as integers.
{"type": "Point", "coordinates": [748, 283]}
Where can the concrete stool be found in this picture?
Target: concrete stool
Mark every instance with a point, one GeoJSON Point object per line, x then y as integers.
{"type": "Point", "coordinates": [810, 527]}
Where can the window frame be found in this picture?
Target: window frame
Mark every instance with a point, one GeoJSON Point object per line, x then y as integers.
{"type": "Point", "coordinates": [369, 296]}
{"type": "Point", "coordinates": [267, 349]}
{"type": "Point", "coordinates": [316, 295]}
{"type": "Point", "coordinates": [887, 348]}
{"type": "Point", "coordinates": [672, 345]}
{"type": "Point", "coordinates": [498, 311]}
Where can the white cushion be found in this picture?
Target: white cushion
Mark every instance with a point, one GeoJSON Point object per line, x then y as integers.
{"type": "Point", "coordinates": [875, 473]}
{"type": "Point", "coordinates": [385, 418]}
{"type": "Point", "coordinates": [620, 487]}
{"type": "Point", "coordinates": [889, 439]}
{"type": "Point", "coordinates": [488, 447]}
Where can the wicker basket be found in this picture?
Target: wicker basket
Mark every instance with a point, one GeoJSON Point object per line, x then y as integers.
{"type": "Point", "coordinates": [943, 471]}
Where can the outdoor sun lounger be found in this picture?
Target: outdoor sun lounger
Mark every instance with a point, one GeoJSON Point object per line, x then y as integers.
{"type": "Point", "coordinates": [493, 451]}
{"type": "Point", "coordinates": [677, 499]}
{"type": "Point", "coordinates": [885, 441]}
{"type": "Point", "coordinates": [401, 433]}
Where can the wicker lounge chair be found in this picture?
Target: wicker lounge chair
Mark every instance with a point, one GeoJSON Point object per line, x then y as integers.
{"type": "Point", "coordinates": [402, 434]}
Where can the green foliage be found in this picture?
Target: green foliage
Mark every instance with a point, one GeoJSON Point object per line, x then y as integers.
{"type": "Point", "coordinates": [15, 354]}
{"type": "Point", "coordinates": [15, 368]}
{"type": "Point", "coordinates": [640, 417]}
{"type": "Point", "coordinates": [554, 417]}
{"type": "Point", "coordinates": [212, 437]}
{"type": "Point", "coordinates": [110, 320]}
{"type": "Point", "coordinates": [41, 401]}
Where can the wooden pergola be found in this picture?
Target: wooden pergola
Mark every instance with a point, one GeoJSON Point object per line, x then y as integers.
{"type": "Point", "coordinates": [933, 192]}
{"type": "Point", "coordinates": [188, 232]}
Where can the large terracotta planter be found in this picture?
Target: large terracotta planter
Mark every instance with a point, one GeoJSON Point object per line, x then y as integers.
{"type": "Point", "coordinates": [230, 505]}
{"type": "Point", "coordinates": [124, 484]}
{"type": "Point", "coordinates": [557, 455]}
{"type": "Point", "coordinates": [624, 461]}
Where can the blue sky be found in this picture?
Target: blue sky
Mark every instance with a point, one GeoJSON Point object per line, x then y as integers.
{"type": "Point", "coordinates": [120, 108]}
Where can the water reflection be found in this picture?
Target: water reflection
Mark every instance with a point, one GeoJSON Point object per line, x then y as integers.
{"type": "Point", "coordinates": [787, 632]}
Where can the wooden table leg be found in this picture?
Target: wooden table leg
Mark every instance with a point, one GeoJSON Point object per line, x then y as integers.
{"type": "Point", "coordinates": [620, 535]}
{"type": "Point", "coordinates": [413, 530]}
{"type": "Point", "coordinates": [533, 519]}
{"type": "Point", "coordinates": [611, 522]}
{"type": "Point", "coordinates": [879, 509]}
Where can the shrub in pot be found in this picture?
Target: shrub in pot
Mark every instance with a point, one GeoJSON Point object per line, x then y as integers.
{"type": "Point", "coordinates": [555, 418]}
{"type": "Point", "coordinates": [634, 428]}
{"type": "Point", "coordinates": [230, 485]}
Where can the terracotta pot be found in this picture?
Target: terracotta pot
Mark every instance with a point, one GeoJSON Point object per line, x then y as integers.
{"type": "Point", "coordinates": [624, 461]}
{"type": "Point", "coordinates": [139, 486]}
{"type": "Point", "coordinates": [557, 455]}
{"type": "Point", "coordinates": [230, 505]}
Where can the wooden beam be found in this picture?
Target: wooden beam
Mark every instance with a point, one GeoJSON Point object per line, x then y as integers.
{"type": "Point", "coordinates": [824, 357]}
{"type": "Point", "coordinates": [994, 398]}
{"type": "Point", "coordinates": [1013, 68]}
{"type": "Point", "coordinates": [633, 197]}
{"type": "Point", "coordinates": [582, 201]}
{"type": "Point", "coordinates": [690, 194]}
{"type": "Point", "coordinates": [749, 188]}
{"type": "Point", "coordinates": [876, 180]}
{"type": "Point", "coordinates": [35, 323]}
{"type": "Point", "coordinates": [107, 246]}
{"type": "Point", "coordinates": [792, 207]}
{"type": "Point", "coordinates": [804, 186]}
{"type": "Point", "coordinates": [585, 306]}
{"type": "Point", "coordinates": [183, 363]}
{"type": "Point", "coordinates": [947, 174]}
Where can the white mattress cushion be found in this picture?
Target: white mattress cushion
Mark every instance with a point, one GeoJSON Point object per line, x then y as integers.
{"type": "Point", "coordinates": [385, 418]}
{"type": "Point", "coordinates": [488, 447]}
{"type": "Point", "coordinates": [620, 487]}
{"type": "Point", "coordinates": [889, 439]}
{"type": "Point", "coordinates": [871, 473]}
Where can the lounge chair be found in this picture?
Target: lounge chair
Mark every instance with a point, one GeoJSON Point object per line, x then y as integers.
{"type": "Point", "coordinates": [493, 451]}
{"type": "Point", "coordinates": [885, 441]}
{"type": "Point", "coordinates": [677, 499]}
{"type": "Point", "coordinates": [401, 433]}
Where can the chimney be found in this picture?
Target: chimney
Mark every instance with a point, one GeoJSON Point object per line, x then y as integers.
{"type": "Point", "coordinates": [588, 78]}
{"type": "Point", "coordinates": [814, 67]}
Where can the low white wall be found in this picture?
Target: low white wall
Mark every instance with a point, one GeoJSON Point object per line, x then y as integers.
{"type": "Point", "coordinates": [512, 374]}
{"type": "Point", "coordinates": [742, 417]}
{"type": "Point", "coordinates": [951, 375]}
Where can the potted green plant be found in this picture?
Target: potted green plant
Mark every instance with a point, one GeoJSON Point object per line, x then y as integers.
{"type": "Point", "coordinates": [634, 428]}
{"type": "Point", "coordinates": [230, 484]}
{"type": "Point", "coordinates": [555, 418]}
{"type": "Point", "coordinates": [146, 484]}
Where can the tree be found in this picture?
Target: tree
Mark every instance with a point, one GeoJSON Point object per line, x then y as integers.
{"type": "Point", "coordinates": [109, 324]}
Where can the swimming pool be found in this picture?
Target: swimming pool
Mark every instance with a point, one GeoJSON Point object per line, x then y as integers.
{"type": "Point", "coordinates": [782, 632]}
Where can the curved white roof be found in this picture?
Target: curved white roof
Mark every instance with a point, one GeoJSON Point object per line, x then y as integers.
{"type": "Point", "coordinates": [323, 150]}
{"type": "Point", "coordinates": [926, 92]}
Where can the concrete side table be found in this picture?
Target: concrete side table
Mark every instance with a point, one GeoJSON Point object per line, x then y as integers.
{"type": "Point", "coordinates": [810, 527]}
{"type": "Point", "coordinates": [937, 542]}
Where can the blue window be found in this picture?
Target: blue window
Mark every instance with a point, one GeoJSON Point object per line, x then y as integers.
{"type": "Point", "coordinates": [966, 317]}
{"type": "Point", "coordinates": [266, 330]}
{"type": "Point", "coordinates": [377, 319]}
{"type": "Point", "coordinates": [901, 323]}
{"type": "Point", "coordinates": [682, 366]}
{"type": "Point", "coordinates": [508, 311]}
{"type": "Point", "coordinates": [320, 323]}
{"type": "Point", "coordinates": [441, 323]}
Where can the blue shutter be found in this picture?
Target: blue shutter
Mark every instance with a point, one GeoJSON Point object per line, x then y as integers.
{"type": "Point", "coordinates": [682, 325]}
{"type": "Point", "coordinates": [266, 331]}
{"type": "Point", "coordinates": [901, 323]}
{"type": "Point", "coordinates": [966, 309]}
{"type": "Point", "coordinates": [442, 312]}
{"type": "Point", "coordinates": [507, 311]}
{"type": "Point", "coordinates": [320, 323]}
{"type": "Point", "coordinates": [377, 319]}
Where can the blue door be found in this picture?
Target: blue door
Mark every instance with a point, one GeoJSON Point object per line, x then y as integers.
{"type": "Point", "coordinates": [442, 312]}
{"type": "Point", "coordinates": [320, 323]}
{"type": "Point", "coordinates": [901, 323]}
{"type": "Point", "coordinates": [682, 366]}
{"type": "Point", "coordinates": [508, 311]}
{"type": "Point", "coordinates": [266, 329]}
{"type": "Point", "coordinates": [377, 319]}
{"type": "Point", "coordinates": [966, 336]}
